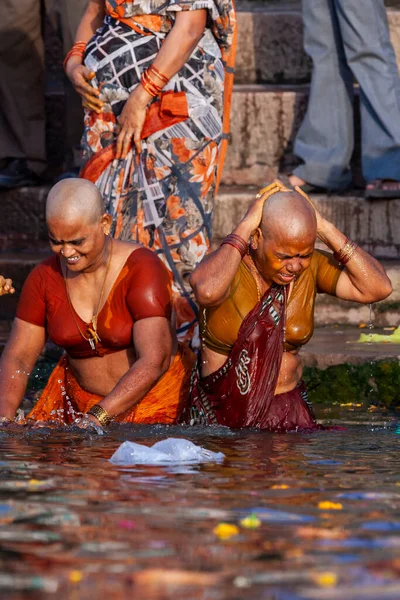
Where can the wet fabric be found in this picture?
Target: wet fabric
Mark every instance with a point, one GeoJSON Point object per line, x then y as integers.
{"type": "Point", "coordinates": [63, 398]}
{"type": "Point", "coordinates": [163, 197]}
{"type": "Point", "coordinates": [141, 290]}
{"type": "Point", "coordinates": [241, 392]}
{"type": "Point", "coordinates": [219, 326]}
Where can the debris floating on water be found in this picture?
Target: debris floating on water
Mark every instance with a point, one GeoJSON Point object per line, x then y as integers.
{"type": "Point", "coordinates": [393, 338]}
{"type": "Point", "coordinates": [169, 451]}
{"type": "Point", "coordinates": [251, 522]}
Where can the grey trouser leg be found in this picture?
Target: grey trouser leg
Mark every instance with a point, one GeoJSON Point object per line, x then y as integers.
{"type": "Point", "coordinates": [346, 38]}
{"type": "Point", "coordinates": [370, 56]}
{"type": "Point", "coordinates": [22, 114]}
{"type": "Point", "coordinates": [326, 137]}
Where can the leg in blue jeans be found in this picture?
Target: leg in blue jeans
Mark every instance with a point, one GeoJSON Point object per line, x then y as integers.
{"type": "Point", "coordinates": [363, 48]}
{"type": "Point", "coordinates": [370, 56]}
{"type": "Point", "coordinates": [325, 140]}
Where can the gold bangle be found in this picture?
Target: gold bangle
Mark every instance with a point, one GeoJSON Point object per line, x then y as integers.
{"type": "Point", "coordinates": [346, 252]}
{"type": "Point", "coordinates": [100, 413]}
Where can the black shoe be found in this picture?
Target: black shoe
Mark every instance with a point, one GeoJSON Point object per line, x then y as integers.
{"type": "Point", "coordinates": [17, 174]}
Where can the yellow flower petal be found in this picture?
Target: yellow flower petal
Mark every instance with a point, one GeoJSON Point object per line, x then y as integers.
{"type": "Point", "coordinates": [327, 579]}
{"type": "Point", "coordinates": [225, 530]}
{"type": "Point", "coordinates": [75, 576]}
{"type": "Point", "coordinates": [327, 505]}
{"type": "Point", "coordinates": [282, 486]}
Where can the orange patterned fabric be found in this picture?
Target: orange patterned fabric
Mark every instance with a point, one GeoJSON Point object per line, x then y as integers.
{"type": "Point", "coordinates": [63, 399]}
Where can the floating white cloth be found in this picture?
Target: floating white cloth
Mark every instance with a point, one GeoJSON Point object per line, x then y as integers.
{"type": "Point", "coordinates": [169, 451]}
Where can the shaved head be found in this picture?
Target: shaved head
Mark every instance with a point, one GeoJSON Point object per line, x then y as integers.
{"type": "Point", "coordinates": [74, 200]}
{"type": "Point", "coordinates": [288, 217]}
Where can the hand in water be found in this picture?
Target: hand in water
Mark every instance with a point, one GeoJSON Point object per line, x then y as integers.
{"type": "Point", "coordinates": [88, 423]}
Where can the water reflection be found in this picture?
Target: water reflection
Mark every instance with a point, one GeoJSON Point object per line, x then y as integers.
{"type": "Point", "coordinates": [326, 509]}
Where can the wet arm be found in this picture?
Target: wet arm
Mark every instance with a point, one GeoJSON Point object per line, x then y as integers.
{"type": "Point", "coordinates": [363, 279]}
{"type": "Point", "coordinates": [213, 277]}
{"type": "Point", "coordinates": [17, 361]}
{"type": "Point", "coordinates": [153, 346]}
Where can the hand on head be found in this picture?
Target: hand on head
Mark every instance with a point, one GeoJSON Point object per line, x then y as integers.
{"type": "Point", "coordinates": [6, 286]}
{"type": "Point", "coordinates": [317, 213]}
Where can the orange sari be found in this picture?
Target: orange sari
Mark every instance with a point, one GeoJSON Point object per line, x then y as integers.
{"type": "Point", "coordinates": [63, 399]}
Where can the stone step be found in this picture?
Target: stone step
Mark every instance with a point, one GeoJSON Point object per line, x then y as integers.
{"type": "Point", "coordinates": [333, 345]}
{"type": "Point", "coordinates": [264, 122]}
{"type": "Point", "coordinates": [23, 226]}
{"type": "Point", "coordinates": [372, 224]}
{"type": "Point", "coordinates": [270, 44]}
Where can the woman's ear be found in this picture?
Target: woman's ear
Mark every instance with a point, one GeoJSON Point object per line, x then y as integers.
{"type": "Point", "coordinates": [106, 222]}
{"type": "Point", "coordinates": [255, 238]}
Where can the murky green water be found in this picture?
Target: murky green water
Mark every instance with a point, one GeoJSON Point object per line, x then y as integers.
{"type": "Point", "coordinates": [73, 526]}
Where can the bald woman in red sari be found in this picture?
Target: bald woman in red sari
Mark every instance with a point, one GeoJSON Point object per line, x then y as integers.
{"type": "Point", "coordinates": [108, 304]}
{"type": "Point", "coordinates": [256, 296]}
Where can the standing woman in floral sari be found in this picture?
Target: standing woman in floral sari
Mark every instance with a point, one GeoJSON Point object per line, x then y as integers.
{"type": "Point", "coordinates": [156, 78]}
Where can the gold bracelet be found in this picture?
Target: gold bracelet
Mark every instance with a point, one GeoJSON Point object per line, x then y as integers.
{"type": "Point", "coordinates": [101, 414]}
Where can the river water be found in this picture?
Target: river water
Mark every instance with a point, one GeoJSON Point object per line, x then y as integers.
{"type": "Point", "coordinates": [284, 517]}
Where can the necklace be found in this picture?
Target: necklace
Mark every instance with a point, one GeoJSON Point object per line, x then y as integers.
{"type": "Point", "coordinates": [93, 338]}
{"type": "Point", "coordinates": [254, 272]}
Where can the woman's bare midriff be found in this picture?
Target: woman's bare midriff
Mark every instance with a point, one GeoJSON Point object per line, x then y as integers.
{"type": "Point", "coordinates": [289, 375]}
{"type": "Point", "coordinates": [100, 374]}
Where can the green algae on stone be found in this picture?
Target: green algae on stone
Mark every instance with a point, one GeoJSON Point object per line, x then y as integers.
{"type": "Point", "coordinates": [375, 382]}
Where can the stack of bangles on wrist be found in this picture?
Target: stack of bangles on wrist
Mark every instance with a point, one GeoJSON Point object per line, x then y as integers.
{"type": "Point", "coordinates": [346, 252]}
{"type": "Point", "coordinates": [78, 49]}
{"type": "Point", "coordinates": [100, 413]}
{"type": "Point", "coordinates": [148, 82]}
{"type": "Point", "coordinates": [237, 242]}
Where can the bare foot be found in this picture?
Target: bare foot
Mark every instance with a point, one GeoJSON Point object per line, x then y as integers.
{"type": "Point", "coordinates": [383, 188]}
{"type": "Point", "coordinates": [294, 180]}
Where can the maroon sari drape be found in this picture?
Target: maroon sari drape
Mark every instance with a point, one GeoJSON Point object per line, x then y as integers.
{"type": "Point", "coordinates": [241, 392]}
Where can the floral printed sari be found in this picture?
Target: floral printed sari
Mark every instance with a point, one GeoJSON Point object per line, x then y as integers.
{"type": "Point", "coordinates": [164, 197]}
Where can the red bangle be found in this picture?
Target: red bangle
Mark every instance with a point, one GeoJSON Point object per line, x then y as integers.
{"type": "Point", "coordinates": [156, 72]}
{"type": "Point", "coordinates": [346, 252]}
{"type": "Point", "coordinates": [237, 242]}
{"type": "Point", "coordinates": [78, 49]}
{"type": "Point", "coordinates": [152, 88]}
